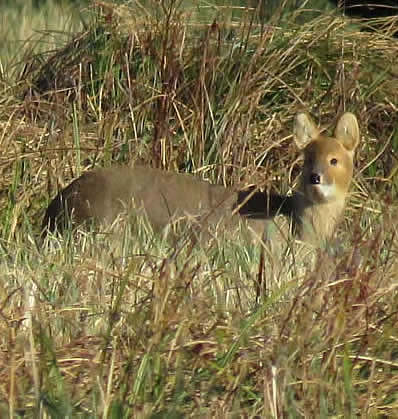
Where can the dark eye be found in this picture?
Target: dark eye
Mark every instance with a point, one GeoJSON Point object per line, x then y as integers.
{"type": "Point", "coordinates": [333, 162]}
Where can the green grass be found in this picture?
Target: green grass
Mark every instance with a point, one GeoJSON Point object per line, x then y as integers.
{"type": "Point", "coordinates": [127, 323]}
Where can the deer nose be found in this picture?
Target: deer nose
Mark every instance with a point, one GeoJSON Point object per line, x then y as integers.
{"type": "Point", "coordinates": [315, 179]}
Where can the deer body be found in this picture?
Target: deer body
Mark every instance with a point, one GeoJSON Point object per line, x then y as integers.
{"type": "Point", "coordinates": [313, 209]}
{"type": "Point", "coordinates": [103, 194]}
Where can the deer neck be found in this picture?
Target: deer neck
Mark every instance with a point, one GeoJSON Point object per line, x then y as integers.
{"type": "Point", "coordinates": [315, 222]}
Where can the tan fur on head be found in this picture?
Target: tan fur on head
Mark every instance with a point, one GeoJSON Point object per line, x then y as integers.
{"type": "Point", "coordinates": [327, 172]}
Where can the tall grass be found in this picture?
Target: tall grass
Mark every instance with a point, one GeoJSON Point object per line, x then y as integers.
{"type": "Point", "coordinates": [25, 27]}
{"type": "Point", "coordinates": [125, 322]}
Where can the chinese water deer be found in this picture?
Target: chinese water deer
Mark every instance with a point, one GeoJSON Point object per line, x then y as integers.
{"type": "Point", "coordinates": [313, 209]}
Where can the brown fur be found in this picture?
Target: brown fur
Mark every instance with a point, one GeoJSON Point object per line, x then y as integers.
{"type": "Point", "coordinates": [326, 176]}
{"type": "Point", "coordinates": [314, 208]}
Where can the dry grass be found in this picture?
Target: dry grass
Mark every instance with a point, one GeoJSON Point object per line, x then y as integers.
{"type": "Point", "coordinates": [141, 326]}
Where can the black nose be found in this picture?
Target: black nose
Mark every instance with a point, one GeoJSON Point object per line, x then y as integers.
{"type": "Point", "coordinates": [315, 179]}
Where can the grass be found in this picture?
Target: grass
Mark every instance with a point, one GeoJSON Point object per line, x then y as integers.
{"type": "Point", "coordinates": [25, 28]}
{"type": "Point", "coordinates": [126, 323]}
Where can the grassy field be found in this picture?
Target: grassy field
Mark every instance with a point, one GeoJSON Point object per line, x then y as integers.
{"type": "Point", "coordinates": [128, 323]}
{"type": "Point", "coordinates": [26, 29]}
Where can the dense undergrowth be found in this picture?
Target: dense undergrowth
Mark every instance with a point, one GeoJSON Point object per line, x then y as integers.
{"type": "Point", "coordinates": [130, 324]}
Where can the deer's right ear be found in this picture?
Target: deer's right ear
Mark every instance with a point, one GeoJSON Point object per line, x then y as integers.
{"type": "Point", "coordinates": [305, 130]}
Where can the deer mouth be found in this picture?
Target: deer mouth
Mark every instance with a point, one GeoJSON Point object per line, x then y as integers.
{"type": "Point", "coordinates": [322, 192]}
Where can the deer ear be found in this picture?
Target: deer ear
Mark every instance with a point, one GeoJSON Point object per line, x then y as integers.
{"type": "Point", "coordinates": [347, 131]}
{"type": "Point", "coordinates": [305, 130]}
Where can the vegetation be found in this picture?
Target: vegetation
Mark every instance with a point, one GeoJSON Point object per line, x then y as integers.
{"type": "Point", "coordinates": [27, 29]}
{"type": "Point", "coordinates": [127, 323]}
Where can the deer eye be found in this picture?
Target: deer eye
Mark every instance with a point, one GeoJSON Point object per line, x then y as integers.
{"type": "Point", "coordinates": [333, 161]}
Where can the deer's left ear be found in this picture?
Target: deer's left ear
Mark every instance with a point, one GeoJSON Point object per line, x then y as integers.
{"type": "Point", "coordinates": [347, 131]}
{"type": "Point", "coordinates": [305, 130]}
